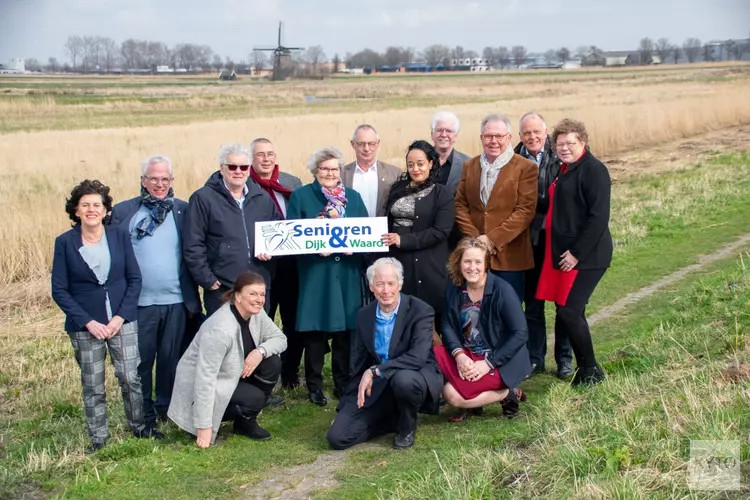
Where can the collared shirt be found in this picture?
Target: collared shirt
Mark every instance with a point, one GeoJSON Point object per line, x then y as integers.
{"type": "Point", "coordinates": [366, 184]}
{"type": "Point", "coordinates": [384, 330]}
{"type": "Point", "coordinates": [445, 169]}
{"type": "Point", "coordinates": [537, 158]}
{"type": "Point", "coordinates": [281, 201]}
{"type": "Point", "coordinates": [241, 200]}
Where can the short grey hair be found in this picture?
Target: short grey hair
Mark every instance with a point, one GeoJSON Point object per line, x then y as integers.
{"type": "Point", "coordinates": [531, 114]}
{"type": "Point", "coordinates": [495, 117]}
{"type": "Point", "coordinates": [324, 154]}
{"type": "Point", "coordinates": [386, 261]}
{"type": "Point", "coordinates": [259, 140]}
{"type": "Point", "coordinates": [445, 116]}
{"type": "Point", "coordinates": [364, 126]}
{"type": "Point", "coordinates": [153, 160]}
{"type": "Point", "coordinates": [232, 149]}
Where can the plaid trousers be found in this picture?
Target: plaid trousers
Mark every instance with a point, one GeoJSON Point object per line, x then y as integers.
{"type": "Point", "coordinates": [90, 354]}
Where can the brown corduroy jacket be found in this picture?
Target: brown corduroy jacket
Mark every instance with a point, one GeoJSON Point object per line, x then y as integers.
{"type": "Point", "coordinates": [507, 217]}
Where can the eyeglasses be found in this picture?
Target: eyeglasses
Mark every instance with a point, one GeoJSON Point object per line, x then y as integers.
{"type": "Point", "coordinates": [371, 145]}
{"type": "Point", "coordinates": [498, 137]}
{"type": "Point", "coordinates": [158, 180]}
{"type": "Point", "coordinates": [567, 145]}
{"type": "Point", "coordinates": [326, 170]}
{"type": "Point", "coordinates": [448, 131]}
{"type": "Point", "coordinates": [530, 133]}
{"type": "Point", "coordinates": [270, 154]}
{"type": "Point", "coordinates": [233, 168]}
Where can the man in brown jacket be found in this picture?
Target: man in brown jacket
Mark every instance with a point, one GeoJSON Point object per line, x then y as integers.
{"type": "Point", "coordinates": [496, 202]}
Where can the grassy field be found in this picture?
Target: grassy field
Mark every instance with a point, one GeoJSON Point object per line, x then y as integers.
{"type": "Point", "coordinates": [627, 438]}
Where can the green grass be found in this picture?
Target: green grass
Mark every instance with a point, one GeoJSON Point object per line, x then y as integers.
{"type": "Point", "coordinates": [661, 224]}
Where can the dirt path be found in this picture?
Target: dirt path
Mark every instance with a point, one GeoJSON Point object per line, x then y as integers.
{"type": "Point", "coordinates": [299, 482]}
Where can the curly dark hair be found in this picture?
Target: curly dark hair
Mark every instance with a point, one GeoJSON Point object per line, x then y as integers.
{"type": "Point", "coordinates": [402, 186]}
{"type": "Point", "coordinates": [81, 190]}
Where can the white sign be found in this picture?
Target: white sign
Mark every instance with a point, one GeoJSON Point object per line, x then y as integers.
{"type": "Point", "coordinates": [312, 236]}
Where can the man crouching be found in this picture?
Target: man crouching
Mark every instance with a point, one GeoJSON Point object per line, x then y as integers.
{"type": "Point", "coordinates": [393, 370]}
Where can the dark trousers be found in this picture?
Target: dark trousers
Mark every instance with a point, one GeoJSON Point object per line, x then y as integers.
{"type": "Point", "coordinates": [160, 332]}
{"type": "Point", "coordinates": [571, 318]}
{"type": "Point", "coordinates": [286, 285]}
{"type": "Point", "coordinates": [316, 346]}
{"type": "Point", "coordinates": [214, 299]}
{"type": "Point", "coordinates": [514, 278]}
{"type": "Point", "coordinates": [537, 325]}
{"type": "Point", "coordinates": [394, 410]}
{"type": "Point", "coordinates": [251, 392]}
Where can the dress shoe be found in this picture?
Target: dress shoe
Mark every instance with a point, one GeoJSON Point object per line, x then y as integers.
{"type": "Point", "coordinates": [94, 447]}
{"type": "Point", "coordinates": [401, 442]}
{"type": "Point", "coordinates": [535, 368]}
{"type": "Point", "coordinates": [588, 376]}
{"type": "Point", "coordinates": [274, 400]}
{"type": "Point", "coordinates": [564, 370]}
{"type": "Point", "coordinates": [149, 432]}
{"type": "Point", "coordinates": [318, 398]}
{"type": "Point", "coordinates": [248, 427]}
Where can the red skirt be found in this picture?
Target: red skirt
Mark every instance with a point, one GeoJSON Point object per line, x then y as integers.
{"type": "Point", "coordinates": [466, 388]}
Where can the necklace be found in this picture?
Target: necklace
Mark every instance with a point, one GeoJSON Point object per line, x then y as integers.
{"type": "Point", "coordinates": [93, 242]}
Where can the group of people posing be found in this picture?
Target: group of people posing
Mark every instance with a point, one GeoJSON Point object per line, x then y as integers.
{"type": "Point", "coordinates": [454, 312]}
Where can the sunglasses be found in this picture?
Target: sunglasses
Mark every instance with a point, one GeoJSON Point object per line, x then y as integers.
{"type": "Point", "coordinates": [232, 168]}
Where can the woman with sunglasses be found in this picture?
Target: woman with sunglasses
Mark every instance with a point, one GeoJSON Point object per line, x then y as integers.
{"type": "Point", "coordinates": [219, 235]}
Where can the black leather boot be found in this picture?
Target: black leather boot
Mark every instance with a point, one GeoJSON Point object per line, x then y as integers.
{"type": "Point", "coordinates": [588, 376]}
{"type": "Point", "coordinates": [246, 424]}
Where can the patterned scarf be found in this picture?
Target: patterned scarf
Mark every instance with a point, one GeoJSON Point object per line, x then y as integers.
{"type": "Point", "coordinates": [336, 201]}
{"type": "Point", "coordinates": [490, 172]}
{"type": "Point", "coordinates": [271, 185]}
{"type": "Point", "coordinates": [157, 212]}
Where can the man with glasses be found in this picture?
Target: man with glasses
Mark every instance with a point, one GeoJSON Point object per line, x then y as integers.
{"type": "Point", "coordinates": [371, 178]}
{"type": "Point", "coordinates": [219, 241]}
{"type": "Point", "coordinates": [444, 130]}
{"type": "Point", "coordinates": [279, 185]}
{"type": "Point", "coordinates": [535, 145]}
{"type": "Point", "coordinates": [155, 220]}
{"type": "Point", "coordinates": [496, 202]}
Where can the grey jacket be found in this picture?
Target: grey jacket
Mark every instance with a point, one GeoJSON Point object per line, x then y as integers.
{"type": "Point", "coordinates": [387, 175]}
{"type": "Point", "coordinates": [210, 369]}
{"type": "Point", "coordinates": [457, 166]}
{"type": "Point", "coordinates": [289, 181]}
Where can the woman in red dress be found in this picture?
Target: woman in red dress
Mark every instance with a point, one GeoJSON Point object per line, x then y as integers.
{"type": "Point", "coordinates": [579, 249]}
{"type": "Point", "coordinates": [483, 357]}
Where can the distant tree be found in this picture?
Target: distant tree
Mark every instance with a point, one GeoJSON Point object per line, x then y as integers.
{"type": "Point", "coordinates": [551, 55]}
{"type": "Point", "coordinates": [708, 53]}
{"type": "Point", "coordinates": [315, 55]}
{"type": "Point", "coordinates": [203, 56]}
{"type": "Point", "coordinates": [503, 56]}
{"type": "Point", "coordinates": [471, 54]}
{"type": "Point", "coordinates": [582, 52]}
{"type": "Point", "coordinates": [519, 54]}
{"type": "Point", "coordinates": [229, 63]}
{"type": "Point", "coordinates": [109, 53]}
{"type": "Point", "coordinates": [692, 49]}
{"type": "Point", "coordinates": [348, 61]}
{"type": "Point", "coordinates": [188, 55]}
{"type": "Point", "coordinates": [395, 56]}
{"type": "Point", "coordinates": [676, 51]}
{"type": "Point", "coordinates": [457, 52]}
{"type": "Point", "coordinates": [52, 65]}
{"type": "Point", "coordinates": [489, 54]}
{"type": "Point", "coordinates": [74, 49]}
{"type": "Point", "coordinates": [32, 64]}
{"type": "Point", "coordinates": [646, 51]}
{"type": "Point", "coordinates": [663, 48]}
{"type": "Point", "coordinates": [563, 54]}
{"type": "Point", "coordinates": [130, 50]}
{"type": "Point", "coordinates": [217, 62]}
{"type": "Point", "coordinates": [731, 47]}
{"type": "Point", "coordinates": [336, 63]}
{"type": "Point", "coordinates": [259, 60]}
{"type": "Point", "coordinates": [594, 56]}
{"type": "Point", "coordinates": [436, 54]}
{"type": "Point", "coordinates": [366, 57]}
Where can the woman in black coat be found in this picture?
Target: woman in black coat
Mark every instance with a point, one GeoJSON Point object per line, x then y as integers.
{"type": "Point", "coordinates": [420, 217]}
{"type": "Point", "coordinates": [579, 250]}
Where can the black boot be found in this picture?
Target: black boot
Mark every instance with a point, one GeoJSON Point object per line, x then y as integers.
{"type": "Point", "coordinates": [246, 424]}
{"type": "Point", "coordinates": [511, 403]}
{"type": "Point", "coordinates": [588, 376]}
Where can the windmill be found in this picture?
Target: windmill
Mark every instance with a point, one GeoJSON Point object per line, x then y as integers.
{"type": "Point", "coordinates": [280, 52]}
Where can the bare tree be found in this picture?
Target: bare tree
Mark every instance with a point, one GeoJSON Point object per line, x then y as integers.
{"type": "Point", "coordinates": [336, 63]}
{"type": "Point", "coordinates": [259, 60]}
{"type": "Point", "coordinates": [52, 65]}
{"type": "Point", "coordinates": [663, 48]}
{"type": "Point", "coordinates": [74, 49]}
{"type": "Point", "coordinates": [676, 51]}
{"type": "Point", "coordinates": [395, 56]}
{"type": "Point", "coordinates": [229, 63]}
{"type": "Point", "coordinates": [32, 64]}
{"type": "Point", "coordinates": [519, 54]}
{"type": "Point", "coordinates": [436, 54]}
{"type": "Point", "coordinates": [646, 51]}
{"type": "Point", "coordinates": [188, 55]}
{"type": "Point", "coordinates": [708, 53]}
{"type": "Point", "coordinates": [692, 49]}
{"type": "Point", "coordinates": [458, 52]}
{"type": "Point", "coordinates": [203, 56]}
{"type": "Point", "coordinates": [109, 53]}
{"type": "Point", "coordinates": [315, 55]}
{"type": "Point", "coordinates": [366, 57]}
{"type": "Point", "coordinates": [471, 54]}
{"type": "Point", "coordinates": [489, 54]}
{"type": "Point", "coordinates": [550, 55]}
{"type": "Point", "coordinates": [503, 56]}
{"type": "Point", "coordinates": [563, 54]}
{"type": "Point", "coordinates": [217, 63]}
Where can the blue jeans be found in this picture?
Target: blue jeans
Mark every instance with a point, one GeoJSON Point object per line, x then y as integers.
{"type": "Point", "coordinates": [515, 279]}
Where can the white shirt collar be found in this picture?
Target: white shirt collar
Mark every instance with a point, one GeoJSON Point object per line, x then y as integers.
{"type": "Point", "coordinates": [374, 168]}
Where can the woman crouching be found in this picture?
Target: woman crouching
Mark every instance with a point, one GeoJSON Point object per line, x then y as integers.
{"type": "Point", "coordinates": [230, 367]}
{"type": "Point", "coordinates": [483, 357]}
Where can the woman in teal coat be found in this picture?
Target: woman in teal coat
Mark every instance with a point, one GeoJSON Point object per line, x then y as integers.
{"type": "Point", "coordinates": [329, 285]}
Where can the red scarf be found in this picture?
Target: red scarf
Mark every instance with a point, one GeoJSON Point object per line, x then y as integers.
{"type": "Point", "coordinates": [271, 185]}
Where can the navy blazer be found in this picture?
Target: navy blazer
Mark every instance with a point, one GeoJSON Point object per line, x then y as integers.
{"type": "Point", "coordinates": [77, 291]}
{"type": "Point", "coordinates": [410, 349]}
{"type": "Point", "coordinates": [124, 211]}
{"type": "Point", "coordinates": [502, 325]}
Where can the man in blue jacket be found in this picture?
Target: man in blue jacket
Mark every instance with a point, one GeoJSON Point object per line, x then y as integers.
{"type": "Point", "coordinates": [155, 220]}
{"type": "Point", "coordinates": [219, 238]}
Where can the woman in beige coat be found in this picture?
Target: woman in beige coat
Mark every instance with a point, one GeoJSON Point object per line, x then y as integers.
{"type": "Point", "coordinates": [230, 367]}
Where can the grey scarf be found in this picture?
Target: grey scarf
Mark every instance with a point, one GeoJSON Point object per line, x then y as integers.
{"type": "Point", "coordinates": [490, 172]}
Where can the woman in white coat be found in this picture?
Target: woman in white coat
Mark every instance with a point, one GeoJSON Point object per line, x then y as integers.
{"type": "Point", "coordinates": [230, 367]}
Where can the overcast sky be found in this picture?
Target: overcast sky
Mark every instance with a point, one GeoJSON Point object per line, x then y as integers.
{"type": "Point", "coordinates": [38, 28]}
